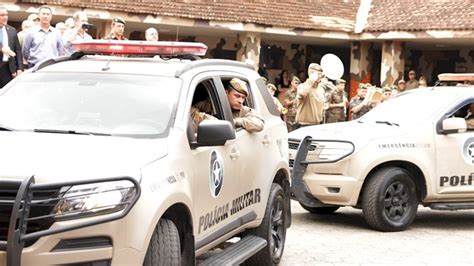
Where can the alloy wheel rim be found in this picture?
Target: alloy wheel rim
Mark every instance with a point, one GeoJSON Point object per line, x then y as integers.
{"type": "Point", "coordinates": [277, 229]}
{"type": "Point", "coordinates": [396, 201]}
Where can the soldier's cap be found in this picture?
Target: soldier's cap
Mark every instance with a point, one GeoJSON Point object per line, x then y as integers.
{"type": "Point", "coordinates": [412, 72]}
{"type": "Point", "coordinates": [316, 67]}
{"type": "Point", "coordinates": [118, 20]}
{"type": "Point", "coordinates": [340, 81]}
{"type": "Point", "coordinates": [362, 86]}
{"type": "Point", "coordinates": [33, 17]}
{"type": "Point", "coordinates": [271, 87]}
{"type": "Point", "coordinates": [295, 78]}
{"type": "Point", "coordinates": [387, 89]}
{"type": "Point", "coordinates": [239, 86]}
{"type": "Point", "coordinates": [401, 81]}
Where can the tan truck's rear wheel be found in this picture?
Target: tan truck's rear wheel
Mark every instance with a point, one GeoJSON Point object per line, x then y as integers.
{"type": "Point", "coordinates": [164, 247]}
{"type": "Point", "coordinates": [389, 200]}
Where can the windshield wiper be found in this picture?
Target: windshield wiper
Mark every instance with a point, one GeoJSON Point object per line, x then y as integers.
{"type": "Point", "coordinates": [4, 128]}
{"type": "Point", "coordinates": [60, 131]}
{"type": "Point", "coordinates": [387, 123]}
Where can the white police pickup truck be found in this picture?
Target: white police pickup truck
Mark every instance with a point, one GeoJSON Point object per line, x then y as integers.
{"type": "Point", "coordinates": [101, 164]}
{"type": "Point", "coordinates": [410, 150]}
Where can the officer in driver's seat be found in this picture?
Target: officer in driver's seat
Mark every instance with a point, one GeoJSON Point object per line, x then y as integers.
{"type": "Point", "coordinates": [244, 116]}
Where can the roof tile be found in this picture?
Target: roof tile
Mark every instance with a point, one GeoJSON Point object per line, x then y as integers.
{"type": "Point", "coordinates": [290, 14]}
{"type": "Point", "coordinates": [422, 15]}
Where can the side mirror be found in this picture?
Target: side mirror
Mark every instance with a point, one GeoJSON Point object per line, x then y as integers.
{"type": "Point", "coordinates": [214, 132]}
{"type": "Point", "coordinates": [454, 125]}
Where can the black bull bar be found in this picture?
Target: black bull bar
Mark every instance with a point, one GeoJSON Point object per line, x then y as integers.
{"type": "Point", "coordinates": [298, 187]}
{"type": "Point", "coordinates": [20, 214]}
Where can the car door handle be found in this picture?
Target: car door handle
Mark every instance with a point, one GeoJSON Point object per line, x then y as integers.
{"type": "Point", "coordinates": [266, 140]}
{"type": "Point", "coordinates": [234, 155]}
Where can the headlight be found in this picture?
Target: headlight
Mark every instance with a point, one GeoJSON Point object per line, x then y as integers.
{"type": "Point", "coordinates": [94, 199]}
{"type": "Point", "coordinates": [328, 151]}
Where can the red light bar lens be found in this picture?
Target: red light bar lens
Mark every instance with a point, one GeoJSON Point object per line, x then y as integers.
{"type": "Point", "coordinates": [111, 47]}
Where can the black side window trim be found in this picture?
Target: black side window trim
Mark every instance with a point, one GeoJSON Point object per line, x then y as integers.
{"type": "Point", "coordinates": [267, 98]}
{"type": "Point", "coordinates": [451, 112]}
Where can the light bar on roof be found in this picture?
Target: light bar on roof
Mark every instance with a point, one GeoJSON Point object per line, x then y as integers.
{"type": "Point", "coordinates": [456, 77]}
{"type": "Point", "coordinates": [115, 47]}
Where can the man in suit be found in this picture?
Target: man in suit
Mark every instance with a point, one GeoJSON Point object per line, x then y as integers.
{"type": "Point", "coordinates": [10, 54]}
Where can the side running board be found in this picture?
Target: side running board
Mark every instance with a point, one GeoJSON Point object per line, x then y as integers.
{"type": "Point", "coordinates": [452, 206]}
{"type": "Point", "coordinates": [237, 253]}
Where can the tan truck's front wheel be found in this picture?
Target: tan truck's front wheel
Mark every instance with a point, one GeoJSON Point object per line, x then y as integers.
{"type": "Point", "coordinates": [272, 229]}
{"type": "Point", "coordinates": [164, 247]}
{"type": "Point", "coordinates": [389, 200]}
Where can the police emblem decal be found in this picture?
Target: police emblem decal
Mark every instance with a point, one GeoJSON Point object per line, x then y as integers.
{"type": "Point", "coordinates": [216, 173]}
{"type": "Point", "coordinates": [468, 150]}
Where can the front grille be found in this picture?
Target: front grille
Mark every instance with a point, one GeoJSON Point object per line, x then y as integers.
{"type": "Point", "coordinates": [294, 146]}
{"type": "Point", "coordinates": [7, 198]}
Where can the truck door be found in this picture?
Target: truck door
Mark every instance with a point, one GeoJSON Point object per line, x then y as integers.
{"type": "Point", "coordinates": [455, 160]}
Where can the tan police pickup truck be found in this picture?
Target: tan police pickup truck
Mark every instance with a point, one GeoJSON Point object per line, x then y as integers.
{"type": "Point", "coordinates": [100, 163]}
{"type": "Point", "coordinates": [412, 149]}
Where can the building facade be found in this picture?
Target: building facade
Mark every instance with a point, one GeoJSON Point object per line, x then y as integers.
{"type": "Point", "coordinates": [379, 41]}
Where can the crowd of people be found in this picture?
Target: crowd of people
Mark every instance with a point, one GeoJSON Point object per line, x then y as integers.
{"type": "Point", "coordinates": [302, 100]}
{"type": "Point", "coordinates": [39, 40]}
{"type": "Point", "coordinates": [315, 100]}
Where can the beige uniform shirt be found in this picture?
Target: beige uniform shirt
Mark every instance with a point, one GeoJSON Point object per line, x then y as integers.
{"type": "Point", "coordinates": [412, 84]}
{"type": "Point", "coordinates": [335, 114]}
{"type": "Point", "coordinates": [310, 107]}
{"type": "Point", "coordinates": [248, 119]}
{"type": "Point", "coordinates": [198, 116]}
{"type": "Point", "coordinates": [290, 96]}
{"type": "Point", "coordinates": [470, 121]}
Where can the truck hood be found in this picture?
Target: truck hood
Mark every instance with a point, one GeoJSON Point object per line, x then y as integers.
{"type": "Point", "coordinates": [63, 157]}
{"type": "Point", "coordinates": [353, 131]}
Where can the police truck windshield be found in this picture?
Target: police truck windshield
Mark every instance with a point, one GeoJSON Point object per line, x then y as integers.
{"type": "Point", "coordinates": [410, 107]}
{"type": "Point", "coordinates": [136, 106]}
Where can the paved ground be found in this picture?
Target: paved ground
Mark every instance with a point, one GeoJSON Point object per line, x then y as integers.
{"type": "Point", "coordinates": [435, 238]}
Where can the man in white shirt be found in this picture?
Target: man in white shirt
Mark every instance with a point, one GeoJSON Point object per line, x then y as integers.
{"type": "Point", "coordinates": [78, 33]}
{"type": "Point", "coordinates": [151, 35]}
{"type": "Point", "coordinates": [42, 41]}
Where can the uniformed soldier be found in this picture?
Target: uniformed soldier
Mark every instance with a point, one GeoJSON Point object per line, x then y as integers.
{"type": "Point", "coordinates": [387, 93]}
{"type": "Point", "coordinates": [412, 82]}
{"type": "Point", "coordinates": [402, 86]}
{"type": "Point", "coordinates": [328, 88]}
{"type": "Point", "coordinates": [272, 89]}
{"type": "Point", "coordinates": [118, 28]}
{"type": "Point", "coordinates": [359, 105]}
{"type": "Point", "coordinates": [290, 103]}
{"type": "Point", "coordinates": [244, 116]}
{"type": "Point", "coordinates": [336, 103]}
{"type": "Point", "coordinates": [310, 98]}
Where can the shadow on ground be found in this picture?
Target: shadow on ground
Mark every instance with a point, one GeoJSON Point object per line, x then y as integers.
{"type": "Point", "coordinates": [426, 219]}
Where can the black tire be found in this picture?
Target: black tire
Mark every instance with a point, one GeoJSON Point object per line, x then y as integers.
{"type": "Point", "coordinates": [164, 247]}
{"type": "Point", "coordinates": [272, 229]}
{"type": "Point", "coordinates": [320, 210]}
{"type": "Point", "coordinates": [389, 200]}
